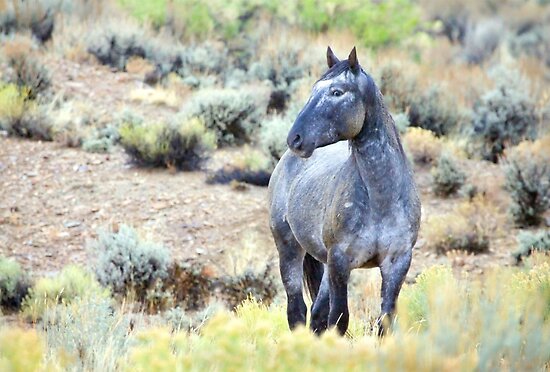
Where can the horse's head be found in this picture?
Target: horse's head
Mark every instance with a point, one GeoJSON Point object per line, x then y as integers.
{"type": "Point", "coordinates": [336, 108]}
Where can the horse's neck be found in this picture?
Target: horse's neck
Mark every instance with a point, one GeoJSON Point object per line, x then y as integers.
{"type": "Point", "coordinates": [379, 157]}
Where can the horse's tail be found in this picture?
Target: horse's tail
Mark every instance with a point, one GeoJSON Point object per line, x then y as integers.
{"type": "Point", "coordinates": [313, 274]}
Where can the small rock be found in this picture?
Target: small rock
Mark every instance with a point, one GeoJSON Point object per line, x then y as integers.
{"type": "Point", "coordinates": [160, 205]}
{"type": "Point", "coordinates": [71, 224]}
{"type": "Point", "coordinates": [80, 168]}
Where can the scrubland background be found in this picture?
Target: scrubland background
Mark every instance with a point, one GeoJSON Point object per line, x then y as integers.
{"type": "Point", "coordinates": [136, 141]}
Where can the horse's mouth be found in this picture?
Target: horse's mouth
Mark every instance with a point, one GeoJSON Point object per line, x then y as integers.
{"type": "Point", "coordinates": [303, 153]}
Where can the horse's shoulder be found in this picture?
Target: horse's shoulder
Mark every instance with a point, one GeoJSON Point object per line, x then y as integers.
{"type": "Point", "coordinates": [327, 159]}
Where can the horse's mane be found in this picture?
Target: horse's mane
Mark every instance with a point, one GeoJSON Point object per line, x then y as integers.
{"type": "Point", "coordinates": [336, 70]}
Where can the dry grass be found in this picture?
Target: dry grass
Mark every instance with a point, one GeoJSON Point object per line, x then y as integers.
{"type": "Point", "coordinates": [73, 121]}
{"type": "Point", "coordinates": [531, 149]}
{"type": "Point", "coordinates": [69, 39]}
{"type": "Point", "coordinates": [468, 227]}
{"type": "Point", "coordinates": [156, 96]}
{"type": "Point", "coordinates": [443, 323]}
{"type": "Point", "coordinates": [252, 254]}
{"type": "Point", "coordinates": [461, 81]}
{"type": "Point", "coordinates": [488, 179]}
{"type": "Point", "coordinates": [138, 65]}
{"type": "Point", "coordinates": [423, 145]}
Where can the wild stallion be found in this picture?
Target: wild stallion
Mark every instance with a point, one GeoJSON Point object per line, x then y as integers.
{"type": "Point", "coordinates": [342, 198]}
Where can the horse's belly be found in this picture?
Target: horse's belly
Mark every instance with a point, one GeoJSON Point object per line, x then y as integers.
{"type": "Point", "coordinates": [310, 193]}
{"type": "Point", "coordinates": [306, 221]}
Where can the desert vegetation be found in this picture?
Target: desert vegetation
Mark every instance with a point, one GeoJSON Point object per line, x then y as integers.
{"type": "Point", "coordinates": [136, 141]}
{"type": "Point", "coordinates": [508, 314]}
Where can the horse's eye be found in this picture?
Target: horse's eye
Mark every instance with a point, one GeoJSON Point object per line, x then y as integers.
{"type": "Point", "coordinates": [337, 92]}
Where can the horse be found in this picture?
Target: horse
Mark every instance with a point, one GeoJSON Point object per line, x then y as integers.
{"type": "Point", "coordinates": [337, 206]}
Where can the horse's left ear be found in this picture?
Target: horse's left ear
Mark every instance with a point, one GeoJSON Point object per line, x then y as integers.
{"type": "Point", "coordinates": [352, 59]}
{"type": "Point", "coordinates": [331, 58]}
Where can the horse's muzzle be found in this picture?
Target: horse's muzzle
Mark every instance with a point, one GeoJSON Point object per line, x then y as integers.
{"type": "Point", "coordinates": [296, 144]}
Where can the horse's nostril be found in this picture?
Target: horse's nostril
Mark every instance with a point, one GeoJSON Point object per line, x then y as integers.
{"type": "Point", "coordinates": [297, 141]}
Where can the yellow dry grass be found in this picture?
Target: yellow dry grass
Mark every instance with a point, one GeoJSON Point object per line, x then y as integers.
{"type": "Point", "coordinates": [156, 96]}
{"type": "Point", "coordinates": [468, 227]}
{"type": "Point", "coordinates": [423, 145]}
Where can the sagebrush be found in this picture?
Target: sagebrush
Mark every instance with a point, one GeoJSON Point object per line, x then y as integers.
{"type": "Point", "coordinates": [233, 115]}
{"type": "Point", "coordinates": [184, 144]}
{"type": "Point", "coordinates": [127, 263]}
{"type": "Point", "coordinates": [505, 115]}
{"type": "Point", "coordinates": [529, 242]}
{"type": "Point", "coordinates": [527, 170]}
{"type": "Point", "coordinates": [14, 284]}
{"type": "Point", "coordinates": [447, 177]}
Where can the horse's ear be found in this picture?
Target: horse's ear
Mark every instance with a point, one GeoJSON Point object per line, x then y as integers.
{"type": "Point", "coordinates": [352, 59]}
{"type": "Point", "coordinates": [331, 58]}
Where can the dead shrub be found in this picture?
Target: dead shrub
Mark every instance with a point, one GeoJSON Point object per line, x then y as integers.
{"type": "Point", "coordinates": [190, 284]}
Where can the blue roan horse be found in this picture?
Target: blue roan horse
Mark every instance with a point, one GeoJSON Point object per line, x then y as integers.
{"type": "Point", "coordinates": [336, 206]}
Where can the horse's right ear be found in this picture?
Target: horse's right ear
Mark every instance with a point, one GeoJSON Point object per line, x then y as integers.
{"type": "Point", "coordinates": [352, 59]}
{"type": "Point", "coordinates": [331, 58]}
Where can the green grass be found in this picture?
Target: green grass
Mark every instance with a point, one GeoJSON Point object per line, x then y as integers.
{"type": "Point", "coordinates": [153, 11]}
{"type": "Point", "coordinates": [375, 24]}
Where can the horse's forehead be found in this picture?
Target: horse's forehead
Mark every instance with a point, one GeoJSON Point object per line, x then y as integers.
{"type": "Point", "coordinates": [324, 84]}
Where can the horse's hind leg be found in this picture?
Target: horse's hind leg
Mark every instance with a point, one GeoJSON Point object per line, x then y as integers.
{"type": "Point", "coordinates": [291, 257]}
{"type": "Point", "coordinates": [393, 273]}
{"type": "Point", "coordinates": [320, 308]}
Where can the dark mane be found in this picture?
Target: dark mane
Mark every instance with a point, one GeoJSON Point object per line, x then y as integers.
{"type": "Point", "coordinates": [336, 70]}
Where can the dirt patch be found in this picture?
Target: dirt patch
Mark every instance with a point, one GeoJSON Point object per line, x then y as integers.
{"type": "Point", "coordinates": [54, 199]}
{"type": "Point", "coordinates": [107, 91]}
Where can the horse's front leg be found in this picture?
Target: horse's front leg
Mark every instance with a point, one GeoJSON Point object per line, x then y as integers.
{"type": "Point", "coordinates": [393, 270]}
{"type": "Point", "coordinates": [291, 258]}
{"type": "Point", "coordinates": [338, 277]}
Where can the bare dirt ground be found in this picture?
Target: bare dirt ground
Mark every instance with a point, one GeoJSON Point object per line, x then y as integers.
{"type": "Point", "coordinates": [54, 199]}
